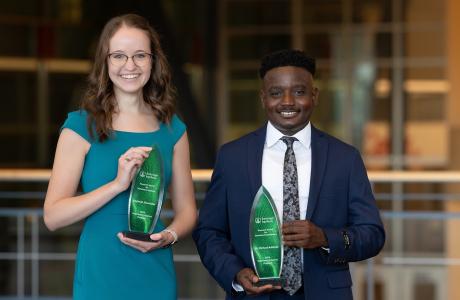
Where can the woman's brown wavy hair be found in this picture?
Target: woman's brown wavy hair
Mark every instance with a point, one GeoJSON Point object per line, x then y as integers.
{"type": "Point", "coordinates": [99, 100]}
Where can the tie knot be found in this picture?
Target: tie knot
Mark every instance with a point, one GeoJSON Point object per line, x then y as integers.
{"type": "Point", "coordinates": [288, 140]}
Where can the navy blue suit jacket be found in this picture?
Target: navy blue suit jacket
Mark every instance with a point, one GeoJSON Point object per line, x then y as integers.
{"type": "Point", "coordinates": [340, 200]}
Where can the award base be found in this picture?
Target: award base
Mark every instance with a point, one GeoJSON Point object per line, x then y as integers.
{"type": "Point", "coordinates": [272, 281]}
{"type": "Point", "coordinates": [145, 237]}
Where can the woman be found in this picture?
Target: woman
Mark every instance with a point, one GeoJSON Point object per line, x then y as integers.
{"type": "Point", "coordinates": [128, 107]}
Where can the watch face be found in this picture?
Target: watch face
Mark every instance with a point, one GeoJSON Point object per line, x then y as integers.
{"type": "Point", "coordinates": [346, 239]}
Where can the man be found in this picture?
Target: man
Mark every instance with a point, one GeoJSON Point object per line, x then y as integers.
{"type": "Point", "coordinates": [319, 186]}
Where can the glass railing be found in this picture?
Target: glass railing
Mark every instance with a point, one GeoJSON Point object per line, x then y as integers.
{"type": "Point", "coordinates": [420, 260]}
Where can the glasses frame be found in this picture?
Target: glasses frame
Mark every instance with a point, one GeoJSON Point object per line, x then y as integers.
{"type": "Point", "coordinates": [128, 57]}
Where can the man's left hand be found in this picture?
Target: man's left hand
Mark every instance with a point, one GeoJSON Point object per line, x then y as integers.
{"type": "Point", "coordinates": [303, 234]}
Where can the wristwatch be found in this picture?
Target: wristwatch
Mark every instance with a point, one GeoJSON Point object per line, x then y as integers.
{"type": "Point", "coordinates": [346, 240]}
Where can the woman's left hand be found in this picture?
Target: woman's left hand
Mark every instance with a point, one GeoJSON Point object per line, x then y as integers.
{"type": "Point", "coordinates": [159, 240]}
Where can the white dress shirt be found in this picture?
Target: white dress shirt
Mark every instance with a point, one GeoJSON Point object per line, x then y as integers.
{"type": "Point", "coordinates": [273, 163]}
{"type": "Point", "coordinates": [272, 170]}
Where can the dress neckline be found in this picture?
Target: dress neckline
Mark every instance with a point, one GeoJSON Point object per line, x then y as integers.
{"type": "Point", "coordinates": [141, 132]}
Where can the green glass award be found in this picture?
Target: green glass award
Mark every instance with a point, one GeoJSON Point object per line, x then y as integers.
{"type": "Point", "coordinates": [265, 239]}
{"type": "Point", "coordinates": [146, 197]}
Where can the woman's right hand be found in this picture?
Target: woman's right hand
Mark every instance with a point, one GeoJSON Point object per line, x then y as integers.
{"type": "Point", "coordinates": [128, 164]}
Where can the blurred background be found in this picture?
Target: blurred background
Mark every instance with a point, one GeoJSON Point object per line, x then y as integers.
{"type": "Point", "coordinates": [388, 74]}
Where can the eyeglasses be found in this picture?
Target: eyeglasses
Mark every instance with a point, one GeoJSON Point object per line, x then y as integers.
{"type": "Point", "coordinates": [120, 59]}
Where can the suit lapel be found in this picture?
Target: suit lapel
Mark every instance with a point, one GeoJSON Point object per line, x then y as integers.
{"type": "Point", "coordinates": [255, 152]}
{"type": "Point", "coordinates": [319, 147]}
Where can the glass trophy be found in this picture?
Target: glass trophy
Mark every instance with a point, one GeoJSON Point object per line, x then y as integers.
{"type": "Point", "coordinates": [146, 197]}
{"type": "Point", "coordinates": [265, 239]}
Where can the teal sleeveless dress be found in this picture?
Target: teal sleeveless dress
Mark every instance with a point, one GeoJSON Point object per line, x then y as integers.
{"type": "Point", "coordinates": [105, 267]}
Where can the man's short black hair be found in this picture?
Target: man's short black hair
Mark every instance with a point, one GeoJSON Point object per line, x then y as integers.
{"type": "Point", "coordinates": [287, 57]}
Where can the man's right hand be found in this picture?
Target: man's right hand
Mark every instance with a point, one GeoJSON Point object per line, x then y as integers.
{"type": "Point", "coordinates": [247, 278]}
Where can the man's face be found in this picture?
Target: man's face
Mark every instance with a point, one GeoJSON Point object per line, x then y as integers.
{"type": "Point", "coordinates": [288, 97]}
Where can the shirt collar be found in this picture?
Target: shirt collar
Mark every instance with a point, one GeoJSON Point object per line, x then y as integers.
{"type": "Point", "coordinates": [274, 135]}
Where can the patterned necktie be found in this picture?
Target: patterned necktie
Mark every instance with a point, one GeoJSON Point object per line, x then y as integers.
{"type": "Point", "coordinates": [292, 265]}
